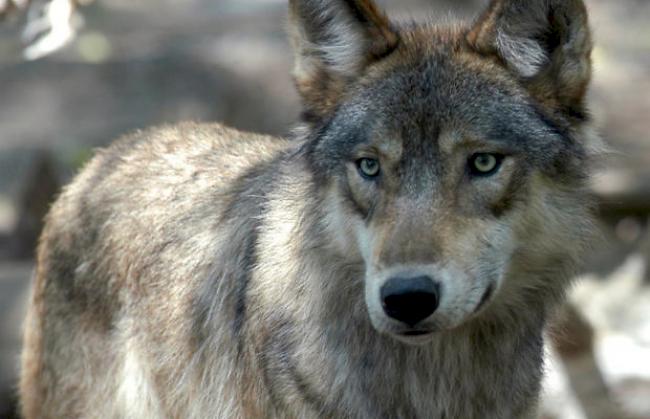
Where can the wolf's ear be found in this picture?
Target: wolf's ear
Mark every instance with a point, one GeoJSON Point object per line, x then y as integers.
{"type": "Point", "coordinates": [333, 41]}
{"type": "Point", "coordinates": [547, 43]}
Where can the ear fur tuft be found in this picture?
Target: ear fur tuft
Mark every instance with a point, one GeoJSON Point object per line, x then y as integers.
{"type": "Point", "coordinates": [525, 56]}
{"type": "Point", "coordinates": [333, 41]}
{"type": "Point", "coordinates": [546, 43]}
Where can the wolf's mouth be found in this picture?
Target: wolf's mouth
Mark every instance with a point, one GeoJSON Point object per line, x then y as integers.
{"type": "Point", "coordinates": [415, 337]}
{"type": "Point", "coordinates": [486, 296]}
{"type": "Point", "coordinates": [416, 333]}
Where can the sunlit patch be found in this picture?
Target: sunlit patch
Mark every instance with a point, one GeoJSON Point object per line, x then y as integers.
{"type": "Point", "coordinates": [94, 47]}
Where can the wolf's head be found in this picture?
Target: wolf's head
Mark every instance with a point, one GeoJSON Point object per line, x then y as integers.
{"type": "Point", "coordinates": [453, 159]}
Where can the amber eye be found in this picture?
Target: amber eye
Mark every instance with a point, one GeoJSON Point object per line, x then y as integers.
{"type": "Point", "coordinates": [485, 164]}
{"type": "Point", "coordinates": [369, 168]}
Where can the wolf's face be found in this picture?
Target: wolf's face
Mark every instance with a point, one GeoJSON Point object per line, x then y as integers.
{"type": "Point", "coordinates": [444, 153]}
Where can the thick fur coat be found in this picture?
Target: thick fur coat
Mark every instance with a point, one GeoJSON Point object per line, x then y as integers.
{"type": "Point", "coordinates": [195, 271]}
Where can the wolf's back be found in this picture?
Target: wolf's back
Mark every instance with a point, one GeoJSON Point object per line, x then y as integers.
{"type": "Point", "coordinates": [121, 263]}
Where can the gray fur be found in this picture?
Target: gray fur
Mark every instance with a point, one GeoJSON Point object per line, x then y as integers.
{"type": "Point", "coordinates": [196, 271]}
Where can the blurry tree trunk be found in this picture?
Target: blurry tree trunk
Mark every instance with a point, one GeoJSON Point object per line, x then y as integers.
{"type": "Point", "coordinates": [644, 249]}
{"type": "Point", "coordinates": [34, 202]}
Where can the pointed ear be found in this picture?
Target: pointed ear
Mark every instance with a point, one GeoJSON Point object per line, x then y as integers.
{"type": "Point", "coordinates": [546, 43]}
{"type": "Point", "coordinates": [334, 41]}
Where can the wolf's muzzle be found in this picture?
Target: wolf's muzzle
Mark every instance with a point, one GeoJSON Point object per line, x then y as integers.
{"type": "Point", "coordinates": [410, 300]}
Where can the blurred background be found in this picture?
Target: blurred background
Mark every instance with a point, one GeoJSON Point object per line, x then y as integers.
{"type": "Point", "coordinates": [132, 64]}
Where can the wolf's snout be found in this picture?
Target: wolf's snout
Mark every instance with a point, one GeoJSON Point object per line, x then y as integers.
{"type": "Point", "coordinates": [410, 300]}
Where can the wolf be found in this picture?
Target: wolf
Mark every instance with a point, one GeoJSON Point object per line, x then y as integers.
{"type": "Point", "coordinates": [397, 256]}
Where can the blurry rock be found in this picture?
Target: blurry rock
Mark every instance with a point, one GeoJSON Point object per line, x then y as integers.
{"type": "Point", "coordinates": [573, 339]}
{"type": "Point", "coordinates": [636, 395]}
{"type": "Point", "coordinates": [618, 309]}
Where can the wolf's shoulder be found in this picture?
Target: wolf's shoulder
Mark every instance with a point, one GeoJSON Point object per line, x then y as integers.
{"type": "Point", "coordinates": [192, 140]}
{"type": "Point", "coordinates": [170, 155]}
{"type": "Point", "coordinates": [179, 168]}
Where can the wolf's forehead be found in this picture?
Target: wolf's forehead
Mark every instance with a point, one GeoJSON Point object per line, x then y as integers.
{"type": "Point", "coordinates": [418, 103]}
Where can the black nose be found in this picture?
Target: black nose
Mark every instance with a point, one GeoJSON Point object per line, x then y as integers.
{"type": "Point", "coordinates": [410, 300]}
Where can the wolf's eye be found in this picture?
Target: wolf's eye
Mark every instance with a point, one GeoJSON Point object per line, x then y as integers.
{"type": "Point", "coordinates": [369, 168]}
{"type": "Point", "coordinates": [485, 164]}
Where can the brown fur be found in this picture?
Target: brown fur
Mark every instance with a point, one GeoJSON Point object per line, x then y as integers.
{"type": "Point", "coordinates": [563, 83]}
{"type": "Point", "coordinates": [321, 88]}
{"type": "Point", "coordinates": [196, 271]}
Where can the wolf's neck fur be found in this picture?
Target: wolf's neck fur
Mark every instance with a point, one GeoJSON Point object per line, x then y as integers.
{"type": "Point", "coordinates": [322, 346]}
